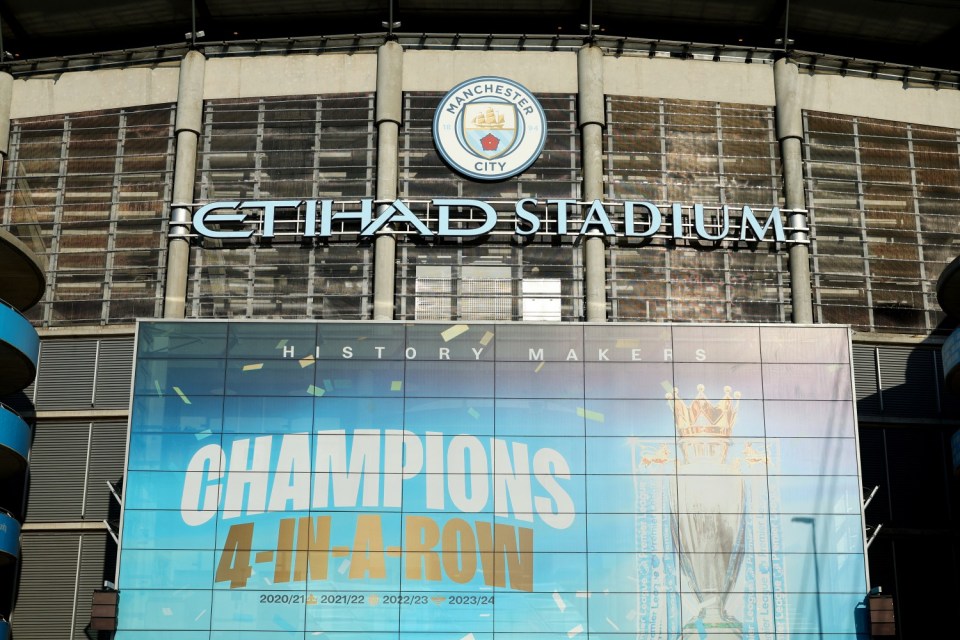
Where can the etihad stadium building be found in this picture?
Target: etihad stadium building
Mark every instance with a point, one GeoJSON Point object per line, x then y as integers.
{"type": "Point", "coordinates": [607, 333]}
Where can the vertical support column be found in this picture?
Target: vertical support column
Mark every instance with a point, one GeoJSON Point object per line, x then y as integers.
{"type": "Point", "coordinates": [790, 136]}
{"type": "Point", "coordinates": [6, 96]}
{"type": "Point", "coordinates": [388, 116]}
{"type": "Point", "coordinates": [187, 130]}
{"type": "Point", "coordinates": [590, 117]}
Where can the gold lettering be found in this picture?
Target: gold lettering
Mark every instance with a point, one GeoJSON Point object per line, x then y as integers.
{"type": "Point", "coordinates": [368, 555]}
{"type": "Point", "coordinates": [454, 553]}
{"type": "Point", "coordinates": [514, 555]}
{"type": "Point", "coordinates": [281, 570]}
{"type": "Point", "coordinates": [422, 536]}
{"type": "Point", "coordinates": [313, 549]}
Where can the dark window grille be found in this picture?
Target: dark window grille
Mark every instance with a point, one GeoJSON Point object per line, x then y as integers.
{"type": "Point", "coordinates": [87, 192]}
{"type": "Point", "coordinates": [284, 148]}
{"type": "Point", "coordinates": [666, 151]}
{"type": "Point", "coordinates": [882, 197]}
{"type": "Point", "coordinates": [500, 278]}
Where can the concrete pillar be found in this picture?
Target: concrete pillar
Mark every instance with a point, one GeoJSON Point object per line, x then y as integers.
{"type": "Point", "coordinates": [591, 117]}
{"type": "Point", "coordinates": [6, 95]}
{"type": "Point", "coordinates": [187, 129]}
{"type": "Point", "coordinates": [389, 115]}
{"type": "Point", "coordinates": [790, 135]}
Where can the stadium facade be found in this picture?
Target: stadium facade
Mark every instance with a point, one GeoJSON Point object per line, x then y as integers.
{"type": "Point", "coordinates": [712, 195]}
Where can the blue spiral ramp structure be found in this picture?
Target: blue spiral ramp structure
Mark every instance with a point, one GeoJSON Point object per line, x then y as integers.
{"type": "Point", "coordinates": [21, 286]}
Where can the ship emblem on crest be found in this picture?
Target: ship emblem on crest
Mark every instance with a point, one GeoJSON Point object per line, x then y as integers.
{"type": "Point", "coordinates": [489, 128]}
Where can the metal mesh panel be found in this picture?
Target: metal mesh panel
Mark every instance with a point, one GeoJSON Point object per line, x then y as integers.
{"type": "Point", "coordinates": [284, 148]}
{"type": "Point", "coordinates": [485, 281]}
{"type": "Point", "coordinates": [86, 191]}
{"type": "Point", "coordinates": [682, 151]}
{"type": "Point", "coordinates": [882, 197]}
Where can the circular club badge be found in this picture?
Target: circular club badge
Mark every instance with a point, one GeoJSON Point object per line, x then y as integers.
{"type": "Point", "coordinates": [489, 128]}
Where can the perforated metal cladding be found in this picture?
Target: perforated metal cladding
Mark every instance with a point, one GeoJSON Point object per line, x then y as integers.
{"type": "Point", "coordinates": [667, 151]}
{"type": "Point", "coordinates": [294, 148]}
{"type": "Point", "coordinates": [87, 192]}
{"type": "Point", "coordinates": [484, 280]}
{"type": "Point", "coordinates": [883, 198]}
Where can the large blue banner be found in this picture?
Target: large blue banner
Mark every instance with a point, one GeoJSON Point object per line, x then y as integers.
{"type": "Point", "coordinates": [472, 482]}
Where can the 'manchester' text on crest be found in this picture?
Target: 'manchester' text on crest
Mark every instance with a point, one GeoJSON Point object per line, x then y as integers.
{"type": "Point", "coordinates": [489, 128]}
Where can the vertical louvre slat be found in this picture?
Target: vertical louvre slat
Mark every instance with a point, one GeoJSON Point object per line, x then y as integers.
{"type": "Point", "coordinates": [65, 378]}
{"type": "Point", "coordinates": [57, 468]}
{"type": "Point", "coordinates": [47, 582]}
{"type": "Point", "coordinates": [91, 576]}
{"type": "Point", "coordinates": [865, 379]}
{"type": "Point", "coordinates": [114, 368]}
{"type": "Point", "coordinates": [106, 463]}
{"type": "Point", "coordinates": [909, 383]}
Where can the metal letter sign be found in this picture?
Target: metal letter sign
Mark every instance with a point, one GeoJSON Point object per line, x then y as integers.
{"type": "Point", "coordinates": [489, 128]}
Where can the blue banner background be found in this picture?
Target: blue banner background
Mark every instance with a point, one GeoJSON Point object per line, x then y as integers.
{"type": "Point", "coordinates": [614, 471]}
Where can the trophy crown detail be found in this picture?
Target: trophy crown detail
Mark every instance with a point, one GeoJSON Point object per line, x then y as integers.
{"type": "Point", "coordinates": [703, 418]}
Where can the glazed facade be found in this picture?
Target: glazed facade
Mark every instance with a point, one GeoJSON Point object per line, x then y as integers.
{"type": "Point", "coordinates": [89, 178]}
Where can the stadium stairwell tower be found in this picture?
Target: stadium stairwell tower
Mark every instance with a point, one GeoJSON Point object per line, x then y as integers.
{"type": "Point", "coordinates": [21, 286]}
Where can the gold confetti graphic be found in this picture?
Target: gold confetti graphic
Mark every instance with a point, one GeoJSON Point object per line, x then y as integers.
{"type": "Point", "coordinates": [396, 385]}
{"type": "Point", "coordinates": [454, 331]}
{"type": "Point", "coordinates": [253, 367]}
{"type": "Point", "coordinates": [281, 344]}
{"type": "Point", "coordinates": [559, 601]}
{"type": "Point", "coordinates": [596, 416]}
{"type": "Point", "coordinates": [307, 361]}
{"type": "Point", "coordinates": [182, 395]}
{"type": "Point", "coordinates": [577, 630]}
{"type": "Point", "coordinates": [487, 337]}
{"type": "Point", "coordinates": [315, 390]}
{"type": "Point", "coordinates": [539, 366]}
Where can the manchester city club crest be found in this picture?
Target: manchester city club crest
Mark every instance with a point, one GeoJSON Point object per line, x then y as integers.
{"type": "Point", "coordinates": [489, 128]}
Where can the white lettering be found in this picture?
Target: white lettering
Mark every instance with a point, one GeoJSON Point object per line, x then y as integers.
{"type": "Point", "coordinates": [199, 503]}
{"type": "Point", "coordinates": [252, 476]}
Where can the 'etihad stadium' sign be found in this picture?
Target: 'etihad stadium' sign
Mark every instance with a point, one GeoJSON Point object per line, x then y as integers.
{"type": "Point", "coordinates": [450, 218]}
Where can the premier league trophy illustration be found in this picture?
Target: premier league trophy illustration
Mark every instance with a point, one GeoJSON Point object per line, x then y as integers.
{"type": "Point", "coordinates": [708, 516]}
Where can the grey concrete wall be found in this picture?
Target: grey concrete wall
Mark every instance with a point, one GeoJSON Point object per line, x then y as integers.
{"type": "Point", "coordinates": [293, 75]}
{"type": "Point", "coordinates": [544, 72]}
{"type": "Point", "coordinates": [541, 72]}
{"type": "Point", "coordinates": [93, 90]}
{"type": "Point", "coordinates": [688, 79]}
{"type": "Point", "coordinates": [881, 99]}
